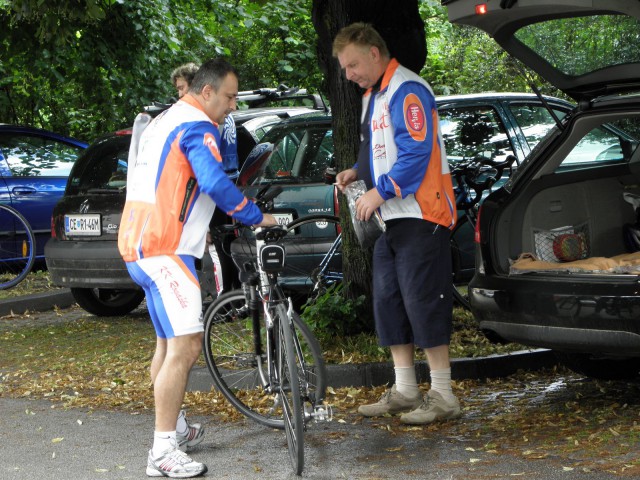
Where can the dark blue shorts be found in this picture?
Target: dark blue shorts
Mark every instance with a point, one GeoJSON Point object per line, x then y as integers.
{"type": "Point", "coordinates": [412, 284]}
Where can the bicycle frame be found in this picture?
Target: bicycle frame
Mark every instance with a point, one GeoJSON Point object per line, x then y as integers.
{"type": "Point", "coordinates": [269, 294]}
{"type": "Point", "coordinates": [323, 275]}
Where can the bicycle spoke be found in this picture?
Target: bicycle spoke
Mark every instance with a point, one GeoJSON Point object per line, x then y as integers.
{"type": "Point", "coordinates": [230, 356]}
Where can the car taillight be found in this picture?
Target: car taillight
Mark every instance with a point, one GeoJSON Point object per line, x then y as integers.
{"type": "Point", "coordinates": [481, 9]}
{"type": "Point", "coordinates": [476, 234]}
{"type": "Point", "coordinates": [53, 228]}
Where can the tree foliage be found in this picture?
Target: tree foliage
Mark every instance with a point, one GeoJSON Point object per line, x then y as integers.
{"type": "Point", "coordinates": [85, 67]}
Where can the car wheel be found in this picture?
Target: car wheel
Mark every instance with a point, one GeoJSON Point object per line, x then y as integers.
{"type": "Point", "coordinates": [600, 368]}
{"type": "Point", "coordinates": [108, 302]}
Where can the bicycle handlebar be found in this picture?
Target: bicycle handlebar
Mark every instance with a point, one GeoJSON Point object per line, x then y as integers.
{"type": "Point", "coordinates": [264, 197]}
{"type": "Point", "coordinates": [467, 174]}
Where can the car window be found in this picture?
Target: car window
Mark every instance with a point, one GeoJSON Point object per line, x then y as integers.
{"type": "Point", "coordinates": [103, 166]}
{"type": "Point", "coordinates": [472, 132]}
{"type": "Point", "coordinates": [32, 156]}
{"type": "Point", "coordinates": [300, 155]}
{"type": "Point", "coordinates": [560, 40]}
{"type": "Point", "coordinates": [613, 142]}
{"type": "Point", "coordinates": [534, 121]}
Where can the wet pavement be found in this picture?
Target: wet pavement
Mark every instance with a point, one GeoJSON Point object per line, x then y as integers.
{"type": "Point", "coordinates": [515, 428]}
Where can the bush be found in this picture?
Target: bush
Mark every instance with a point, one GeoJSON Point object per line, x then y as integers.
{"type": "Point", "coordinates": [331, 314]}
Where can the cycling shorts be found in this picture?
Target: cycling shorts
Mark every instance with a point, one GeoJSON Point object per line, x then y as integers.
{"type": "Point", "coordinates": [171, 287]}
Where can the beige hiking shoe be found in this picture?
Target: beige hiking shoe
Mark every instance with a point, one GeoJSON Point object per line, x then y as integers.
{"type": "Point", "coordinates": [433, 408]}
{"type": "Point", "coordinates": [391, 402]}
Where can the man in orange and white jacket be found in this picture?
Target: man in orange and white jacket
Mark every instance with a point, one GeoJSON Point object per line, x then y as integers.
{"type": "Point", "coordinates": [403, 163]}
{"type": "Point", "coordinates": [175, 180]}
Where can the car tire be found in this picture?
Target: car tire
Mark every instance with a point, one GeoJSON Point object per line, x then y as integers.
{"type": "Point", "coordinates": [108, 302]}
{"type": "Point", "coordinates": [600, 368]}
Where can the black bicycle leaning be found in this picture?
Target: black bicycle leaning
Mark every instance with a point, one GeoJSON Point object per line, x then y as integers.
{"type": "Point", "coordinates": [17, 247]}
{"type": "Point", "coordinates": [472, 178]}
{"type": "Point", "coordinates": [263, 358]}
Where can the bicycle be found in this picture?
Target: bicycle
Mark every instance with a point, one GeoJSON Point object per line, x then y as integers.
{"type": "Point", "coordinates": [472, 178]}
{"type": "Point", "coordinates": [17, 247]}
{"type": "Point", "coordinates": [263, 358]}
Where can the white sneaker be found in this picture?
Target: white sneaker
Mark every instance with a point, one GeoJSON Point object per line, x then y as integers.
{"type": "Point", "coordinates": [174, 464]}
{"type": "Point", "coordinates": [433, 408]}
{"type": "Point", "coordinates": [194, 435]}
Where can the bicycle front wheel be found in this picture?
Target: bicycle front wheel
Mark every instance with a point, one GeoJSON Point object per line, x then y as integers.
{"type": "Point", "coordinates": [289, 390]}
{"type": "Point", "coordinates": [239, 373]}
{"type": "Point", "coordinates": [17, 247]}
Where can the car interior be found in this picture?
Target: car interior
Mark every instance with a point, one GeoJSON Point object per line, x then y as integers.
{"type": "Point", "coordinates": [585, 206]}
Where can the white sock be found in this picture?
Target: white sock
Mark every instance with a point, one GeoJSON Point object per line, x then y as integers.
{"type": "Point", "coordinates": [441, 383]}
{"type": "Point", "coordinates": [406, 383]}
{"type": "Point", "coordinates": [182, 427]}
{"type": "Point", "coordinates": [163, 442]}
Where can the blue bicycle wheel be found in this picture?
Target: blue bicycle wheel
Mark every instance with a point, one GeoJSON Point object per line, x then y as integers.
{"type": "Point", "coordinates": [17, 247]}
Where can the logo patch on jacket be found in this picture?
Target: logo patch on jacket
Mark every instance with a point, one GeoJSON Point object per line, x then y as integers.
{"type": "Point", "coordinates": [210, 141]}
{"type": "Point", "coordinates": [414, 117]}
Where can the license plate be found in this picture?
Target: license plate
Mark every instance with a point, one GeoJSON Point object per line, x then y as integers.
{"type": "Point", "coordinates": [85, 224]}
{"type": "Point", "coordinates": [283, 218]}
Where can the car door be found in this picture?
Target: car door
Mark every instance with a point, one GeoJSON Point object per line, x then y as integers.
{"type": "Point", "coordinates": [34, 171]}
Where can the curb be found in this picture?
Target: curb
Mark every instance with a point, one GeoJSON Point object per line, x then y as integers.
{"type": "Point", "coordinates": [38, 302]}
{"type": "Point", "coordinates": [382, 373]}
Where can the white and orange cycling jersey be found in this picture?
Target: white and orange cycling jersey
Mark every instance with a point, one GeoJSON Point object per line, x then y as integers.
{"type": "Point", "coordinates": [174, 181]}
{"type": "Point", "coordinates": [407, 156]}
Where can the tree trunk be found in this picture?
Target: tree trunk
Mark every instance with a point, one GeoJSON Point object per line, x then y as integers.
{"type": "Point", "coordinates": [401, 26]}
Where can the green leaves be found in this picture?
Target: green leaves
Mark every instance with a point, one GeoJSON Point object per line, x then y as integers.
{"type": "Point", "coordinates": [85, 67]}
{"type": "Point", "coordinates": [331, 314]}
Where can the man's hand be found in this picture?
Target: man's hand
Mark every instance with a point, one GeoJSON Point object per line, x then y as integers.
{"type": "Point", "coordinates": [267, 219]}
{"type": "Point", "coordinates": [367, 204]}
{"type": "Point", "coordinates": [345, 177]}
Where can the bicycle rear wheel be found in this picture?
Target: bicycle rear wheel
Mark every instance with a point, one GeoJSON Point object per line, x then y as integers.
{"type": "Point", "coordinates": [289, 390]}
{"type": "Point", "coordinates": [17, 247]}
{"type": "Point", "coordinates": [229, 352]}
{"type": "Point", "coordinates": [462, 253]}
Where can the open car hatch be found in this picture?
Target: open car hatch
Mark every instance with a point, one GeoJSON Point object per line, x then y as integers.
{"type": "Point", "coordinates": [586, 48]}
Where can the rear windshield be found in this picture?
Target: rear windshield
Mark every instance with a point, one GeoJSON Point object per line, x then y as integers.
{"type": "Point", "coordinates": [580, 45]}
{"type": "Point", "coordinates": [300, 155]}
{"type": "Point", "coordinates": [102, 167]}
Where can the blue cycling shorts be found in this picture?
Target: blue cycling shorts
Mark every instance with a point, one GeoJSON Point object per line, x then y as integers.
{"type": "Point", "coordinates": [412, 284]}
{"type": "Point", "coordinates": [172, 290]}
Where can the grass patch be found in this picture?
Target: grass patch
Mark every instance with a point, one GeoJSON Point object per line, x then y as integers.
{"type": "Point", "coordinates": [103, 363]}
{"type": "Point", "coordinates": [36, 282]}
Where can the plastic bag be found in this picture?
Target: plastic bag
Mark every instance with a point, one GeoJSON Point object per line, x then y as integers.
{"type": "Point", "coordinates": [368, 231]}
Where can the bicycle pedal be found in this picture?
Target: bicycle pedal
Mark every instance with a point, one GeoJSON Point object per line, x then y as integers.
{"type": "Point", "coordinates": [322, 413]}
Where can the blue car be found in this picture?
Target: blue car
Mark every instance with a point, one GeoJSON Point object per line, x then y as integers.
{"type": "Point", "coordinates": [34, 166]}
